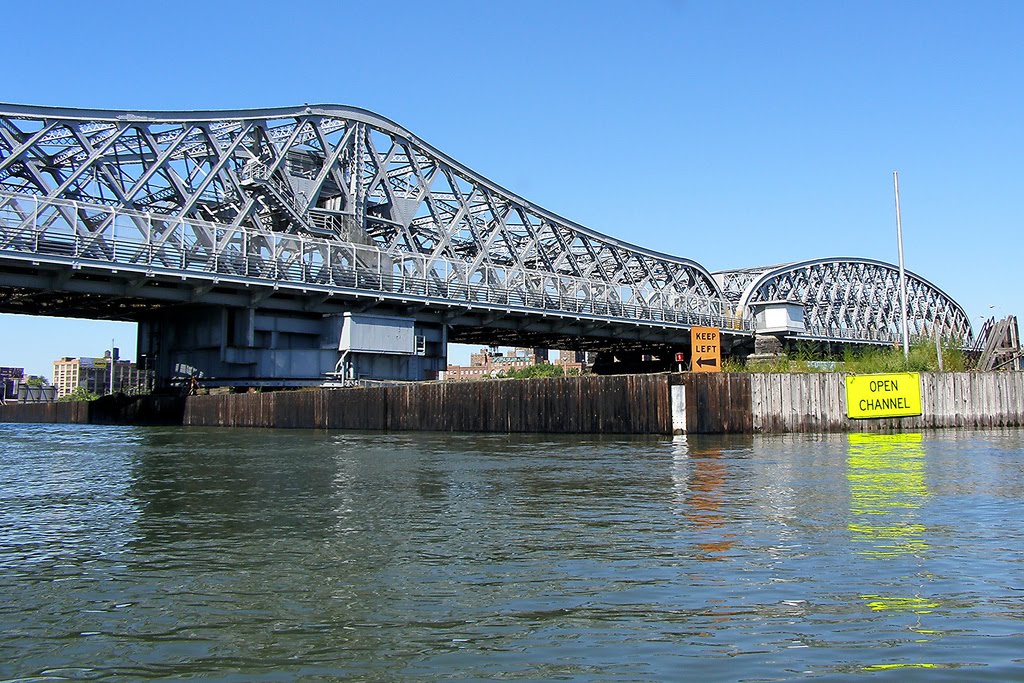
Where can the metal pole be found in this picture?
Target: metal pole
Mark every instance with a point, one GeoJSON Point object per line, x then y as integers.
{"type": "Point", "coordinates": [112, 361]}
{"type": "Point", "coordinates": [903, 272]}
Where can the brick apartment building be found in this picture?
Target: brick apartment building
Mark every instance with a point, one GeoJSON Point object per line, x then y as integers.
{"type": "Point", "coordinates": [93, 374]}
{"type": "Point", "coordinates": [492, 363]}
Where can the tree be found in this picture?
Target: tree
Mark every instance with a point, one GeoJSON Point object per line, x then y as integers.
{"type": "Point", "coordinates": [539, 370]}
{"type": "Point", "coordinates": [79, 394]}
{"type": "Point", "coordinates": [36, 381]}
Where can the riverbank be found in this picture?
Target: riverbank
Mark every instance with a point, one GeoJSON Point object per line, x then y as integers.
{"type": "Point", "coordinates": [693, 403]}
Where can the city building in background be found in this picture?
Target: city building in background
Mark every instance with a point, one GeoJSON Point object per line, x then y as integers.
{"type": "Point", "coordinates": [575, 362]}
{"type": "Point", "coordinates": [94, 375]}
{"type": "Point", "coordinates": [490, 362]}
{"type": "Point", "coordinates": [9, 380]}
{"type": "Point", "coordinates": [16, 387]}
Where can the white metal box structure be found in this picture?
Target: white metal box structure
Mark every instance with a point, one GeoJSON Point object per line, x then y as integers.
{"type": "Point", "coordinates": [773, 317]}
{"type": "Point", "coordinates": [364, 333]}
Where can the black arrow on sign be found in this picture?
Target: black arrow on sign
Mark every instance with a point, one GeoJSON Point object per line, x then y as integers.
{"type": "Point", "coordinates": [707, 361]}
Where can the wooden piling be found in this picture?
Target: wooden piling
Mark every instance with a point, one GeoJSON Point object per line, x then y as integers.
{"type": "Point", "coordinates": [618, 404]}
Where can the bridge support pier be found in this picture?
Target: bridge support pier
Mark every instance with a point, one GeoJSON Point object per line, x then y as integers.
{"type": "Point", "coordinates": [247, 347]}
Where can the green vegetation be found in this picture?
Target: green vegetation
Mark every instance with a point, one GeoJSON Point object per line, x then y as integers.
{"type": "Point", "coordinates": [806, 357]}
{"type": "Point", "coordinates": [79, 394]}
{"type": "Point", "coordinates": [539, 370]}
{"type": "Point", "coordinates": [36, 382]}
{"type": "Point", "coordinates": [922, 358]}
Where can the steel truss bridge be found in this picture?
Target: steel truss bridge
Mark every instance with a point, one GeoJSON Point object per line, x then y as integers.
{"type": "Point", "coordinates": [320, 210]}
{"type": "Point", "coordinates": [850, 299]}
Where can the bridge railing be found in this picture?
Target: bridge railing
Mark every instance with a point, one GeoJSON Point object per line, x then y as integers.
{"type": "Point", "coordinates": [105, 236]}
{"type": "Point", "coordinates": [848, 334]}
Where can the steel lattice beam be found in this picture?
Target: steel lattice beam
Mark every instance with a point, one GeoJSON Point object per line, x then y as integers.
{"type": "Point", "coordinates": [295, 194]}
{"type": "Point", "coordinates": [850, 298]}
{"type": "Point", "coordinates": [330, 172]}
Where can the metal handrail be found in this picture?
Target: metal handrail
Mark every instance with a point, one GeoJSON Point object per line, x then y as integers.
{"type": "Point", "coordinates": [847, 334]}
{"type": "Point", "coordinates": [44, 226]}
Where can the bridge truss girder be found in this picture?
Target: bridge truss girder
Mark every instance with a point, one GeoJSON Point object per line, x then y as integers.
{"type": "Point", "coordinates": [335, 173]}
{"type": "Point", "coordinates": [330, 197]}
{"type": "Point", "coordinates": [851, 299]}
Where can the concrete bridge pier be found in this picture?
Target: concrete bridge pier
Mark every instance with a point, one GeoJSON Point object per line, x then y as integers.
{"type": "Point", "coordinates": [246, 347]}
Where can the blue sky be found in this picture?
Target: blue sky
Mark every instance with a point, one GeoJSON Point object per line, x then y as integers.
{"type": "Point", "coordinates": [736, 134]}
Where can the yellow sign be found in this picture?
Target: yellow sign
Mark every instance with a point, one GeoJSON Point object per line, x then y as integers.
{"type": "Point", "coordinates": [897, 395]}
{"type": "Point", "coordinates": [705, 350]}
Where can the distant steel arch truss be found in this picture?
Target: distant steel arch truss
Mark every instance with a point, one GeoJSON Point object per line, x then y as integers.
{"type": "Point", "coordinates": [337, 174]}
{"type": "Point", "coordinates": [850, 298]}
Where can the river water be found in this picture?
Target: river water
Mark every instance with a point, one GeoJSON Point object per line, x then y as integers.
{"type": "Point", "coordinates": [253, 555]}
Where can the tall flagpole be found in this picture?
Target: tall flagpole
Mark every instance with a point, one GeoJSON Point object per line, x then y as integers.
{"type": "Point", "coordinates": [903, 272]}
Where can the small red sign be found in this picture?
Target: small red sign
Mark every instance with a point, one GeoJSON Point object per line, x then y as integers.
{"type": "Point", "coordinates": [679, 358]}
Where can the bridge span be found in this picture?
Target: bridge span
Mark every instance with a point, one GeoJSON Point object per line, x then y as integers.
{"type": "Point", "coordinates": [282, 246]}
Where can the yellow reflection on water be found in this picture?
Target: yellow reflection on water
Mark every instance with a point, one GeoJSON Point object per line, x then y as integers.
{"type": "Point", "coordinates": [880, 603]}
{"type": "Point", "coordinates": [905, 665]}
{"type": "Point", "coordinates": [886, 473]}
{"type": "Point", "coordinates": [887, 487]}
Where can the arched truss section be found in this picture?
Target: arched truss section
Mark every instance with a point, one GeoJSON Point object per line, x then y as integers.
{"type": "Point", "coordinates": [333, 172]}
{"type": "Point", "coordinates": [848, 298]}
{"type": "Point", "coordinates": [734, 282]}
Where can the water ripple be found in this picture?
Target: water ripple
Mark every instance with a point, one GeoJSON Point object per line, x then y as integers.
{"type": "Point", "coordinates": [261, 556]}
